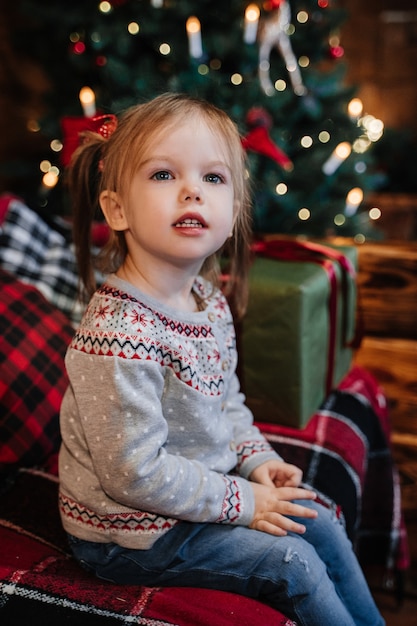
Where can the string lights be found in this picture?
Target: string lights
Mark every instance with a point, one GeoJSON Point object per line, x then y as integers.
{"type": "Point", "coordinates": [355, 108]}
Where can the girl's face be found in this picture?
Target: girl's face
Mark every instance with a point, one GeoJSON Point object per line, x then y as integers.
{"type": "Point", "coordinates": [180, 206]}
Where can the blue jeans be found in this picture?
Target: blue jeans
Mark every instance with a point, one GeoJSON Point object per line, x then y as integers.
{"type": "Point", "coordinates": [314, 579]}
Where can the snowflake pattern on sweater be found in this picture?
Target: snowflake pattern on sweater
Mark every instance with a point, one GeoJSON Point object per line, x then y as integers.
{"type": "Point", "coordinates": [132, 339]}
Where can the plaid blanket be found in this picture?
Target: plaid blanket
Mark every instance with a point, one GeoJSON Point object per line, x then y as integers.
{"type": "Point", "coordinates": [345, 453]}
{"type": "Point", "coordinates": [39, 254]}
{"type": "Point", "coordinates": [40, 582]}
{"type": "Point", "coordinates": [34, 338]}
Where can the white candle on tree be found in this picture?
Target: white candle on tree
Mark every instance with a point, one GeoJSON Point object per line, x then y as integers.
{"type": "Point", "coordinates": [353, 200]}
{"type": "Point", "coordinates": [251, 23]}
{"type": "Point", "coordinates": [88, 101]}
{"type": "Point", "coordinates": [339, 154]}
{"type": "Point", "coordinates": [195, 45]}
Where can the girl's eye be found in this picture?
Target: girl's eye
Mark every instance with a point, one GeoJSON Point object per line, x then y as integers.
{"type": "Point", "coordinates": [214, 178]}
{"type": "Point", "coordinates": [162, 175]}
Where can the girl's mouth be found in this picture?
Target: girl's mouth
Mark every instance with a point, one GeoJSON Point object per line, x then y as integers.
{"type": "Point", "coordinates": [189, 222]}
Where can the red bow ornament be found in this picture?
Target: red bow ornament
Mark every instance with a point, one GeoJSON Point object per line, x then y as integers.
{"type": "Point", "coordinates": [258, 139]}
{"type": "Point", "coordinates": [72, 127]}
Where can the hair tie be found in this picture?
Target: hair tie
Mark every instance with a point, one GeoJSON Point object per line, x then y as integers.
{"type": "Point", "coordinates": [104, 125]}
{"type": "Point", "coordinates": [72, 127]}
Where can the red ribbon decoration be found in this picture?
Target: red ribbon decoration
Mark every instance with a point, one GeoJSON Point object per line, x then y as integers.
{"type": "Point", "coordinates": [293, 250]}
{"type": "Point", "coordinates": [259, 141]}
{"type": "Point", "coordinates": [72, 127]}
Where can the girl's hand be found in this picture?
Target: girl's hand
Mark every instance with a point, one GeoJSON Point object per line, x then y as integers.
{"type": "Point", "coordinates": [273, 505]}
{"type": "Point", "coordinates": [277, 474]}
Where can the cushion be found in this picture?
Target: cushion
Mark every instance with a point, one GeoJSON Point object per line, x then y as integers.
{"type": "Point", "coordinates": [34, 336]}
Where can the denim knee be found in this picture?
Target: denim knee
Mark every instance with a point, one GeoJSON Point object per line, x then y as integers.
{"type": "Point", "coordinates": [290, 568]}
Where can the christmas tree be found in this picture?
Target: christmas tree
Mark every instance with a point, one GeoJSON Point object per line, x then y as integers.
{"type": "Point", "coordinates": [276, 67]}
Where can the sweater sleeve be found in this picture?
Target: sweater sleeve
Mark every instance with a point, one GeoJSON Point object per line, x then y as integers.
{"type": "Point", "coordinates": [122, 433]}
{"type": "Point", "coordinates": [251, 446]}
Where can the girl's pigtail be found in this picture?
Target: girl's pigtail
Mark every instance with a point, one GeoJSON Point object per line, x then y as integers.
{"type": "Point", "coordinates": [237, 252]}
{"type": "Point", "coordinates": [84, 176]}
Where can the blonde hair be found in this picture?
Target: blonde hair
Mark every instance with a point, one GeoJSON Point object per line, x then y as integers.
{"type": "Point", "coordinates": [110, 164]}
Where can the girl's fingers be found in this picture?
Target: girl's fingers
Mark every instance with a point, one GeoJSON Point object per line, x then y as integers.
{"type": "Point", "coordinates": [279, 525]}
{"type": "Point", "coordinates": [293, 509]}
{"type": "Point", "coordinates": [294, 493]}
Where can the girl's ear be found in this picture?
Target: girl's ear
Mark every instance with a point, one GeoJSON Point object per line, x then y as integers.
{"type": "Point", "coordinates": [112, 207]}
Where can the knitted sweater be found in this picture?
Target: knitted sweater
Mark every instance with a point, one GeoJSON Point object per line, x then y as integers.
{"type": "Point", "coordinates": [153, 424]}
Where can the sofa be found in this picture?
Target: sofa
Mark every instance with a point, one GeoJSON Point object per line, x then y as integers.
{"type": "Point", "coordinates": [344, 452]}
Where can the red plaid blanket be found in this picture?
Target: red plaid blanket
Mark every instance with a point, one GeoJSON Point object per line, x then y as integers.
{"type": "Point", "coordinates": [345, 453]}
{"type": "Point", "coordinates": [38, 579]}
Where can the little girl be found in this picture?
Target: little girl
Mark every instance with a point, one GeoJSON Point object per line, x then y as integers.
{"type": "Point", "coordinates": [164, 479]}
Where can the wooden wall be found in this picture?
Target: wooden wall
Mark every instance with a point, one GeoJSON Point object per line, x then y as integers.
{"type": "Point", "coordinates": [387, 283]}
{"type": "Point", "coordinates": [380, 42]}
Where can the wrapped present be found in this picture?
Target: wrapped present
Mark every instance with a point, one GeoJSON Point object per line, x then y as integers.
{"type": "Point", "coordinates": [299, 330]}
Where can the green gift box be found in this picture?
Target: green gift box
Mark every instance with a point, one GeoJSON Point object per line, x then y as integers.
{"type": "Point", "coordinates": [297, 334]}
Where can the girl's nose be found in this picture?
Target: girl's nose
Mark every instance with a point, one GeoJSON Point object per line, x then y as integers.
{"type": "Point", "coordinates": [191, 193]}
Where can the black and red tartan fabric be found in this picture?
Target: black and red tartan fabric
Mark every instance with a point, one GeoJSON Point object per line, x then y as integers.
{"type": "Point", "coordinates": [345, 453]}
{"type": "Point", "coordinates": [41, 583]}
{"type": "Point", "coordinates": [34, 337]}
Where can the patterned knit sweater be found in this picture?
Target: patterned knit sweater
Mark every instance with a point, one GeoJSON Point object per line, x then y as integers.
{"type": "Point", "coordinates": [153, 424]}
